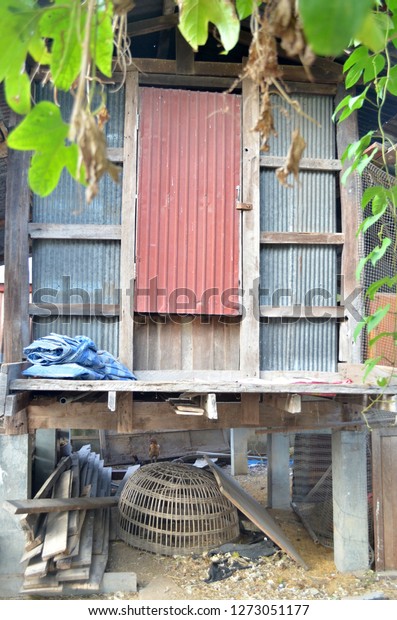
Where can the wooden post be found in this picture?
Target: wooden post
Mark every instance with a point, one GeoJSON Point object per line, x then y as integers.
{"type": "Point", "coordinates": [250, 241]}
{"type": "Point", "coordinates": [16, 331]}
{"type": "Point", "coordinates": [184, 55]}
{"type": "Point", "coordinates": [350, 195]}
{"type": "Point", "coordinates": [127, 251]}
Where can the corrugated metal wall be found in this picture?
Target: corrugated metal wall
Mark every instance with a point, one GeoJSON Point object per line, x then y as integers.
{"type": "Point", "coordinates": [80, 271]}
{"type": "Point", "coordinates": [297, 274]}
{"type": "Point", "coordinates": [189, 168]}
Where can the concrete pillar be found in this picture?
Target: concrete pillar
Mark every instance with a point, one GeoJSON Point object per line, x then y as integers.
{"type": "Point", "coordinates": [15, 482]}
{"type": "Point", "coordinates": [238, 449]}
{"type": "Point", "coordinates": [278, 478]}
{"type": "Point", "coordinates": [350, 501]}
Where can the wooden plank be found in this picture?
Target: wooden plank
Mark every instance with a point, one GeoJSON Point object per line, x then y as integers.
{"type": "Point", "coordinates": [73, 574]}
{"type": "Point", "coordinates": [274, 382]}
{"type": "Point", "coordinates": [8, 373]}
{"type": "Point", "coordinates": [291, 74]}
{"type": "Point", "coordinates": [302, 238]}
{"type": "Point", "coordinates": [16, 403]}
{"type": "Point", "coordinates": [84, 556]}
{"type": "Point", "coordinates": [184, 55]}
{"type": "Point", "coordinates": [249, 326]}
{"type": "Point", "coordinates": [56, 536]}
{"type": "Point", "coordinates": [36, 568]}
{"type": "Point", "coordinates": [155, 24]}
{"type": "Point", "coordinates": [378, 504]}
{"type": "Point", "coordinates": [127, 249]}
{"type": "Point", "coordinates": [35, 506]}
{"type": "Point", "coordinates": [115, 154]}
{"type": "Point", "coordinates": [346, 134]}
{"type": "Point", "coordinates": [306, 163]}
{"type": "Point", "coordinates": [249, 410]}
{"type": "Point", "coordinates": [96, 232]}
{"type": "Point", "coordinates": [54, 309]}
{"type": "Point", "coordinates": [124, 412]}
{"type": "Point", "coordinates": [47, 487]}
{"type": "Point", "coordinates": [16, 327]}
{"type": "Point", "coordinates": [254, 511]}
{"type": "Point", "coordinates": [188, 81]}
{"type": "Point", "coordinates": [297, 311]}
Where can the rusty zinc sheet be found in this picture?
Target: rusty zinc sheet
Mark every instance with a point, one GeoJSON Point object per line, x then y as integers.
{"type": "Point", "coordinates": [254, 511]}
{"type": "Point", "coordinates": [187, 222]}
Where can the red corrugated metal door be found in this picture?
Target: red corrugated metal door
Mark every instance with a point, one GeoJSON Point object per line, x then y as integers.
{"type": "Point", "coordinates": [187, 222]}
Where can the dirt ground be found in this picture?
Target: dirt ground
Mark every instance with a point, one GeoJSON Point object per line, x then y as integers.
{"type": "Point", "coordinates": [274, 577]}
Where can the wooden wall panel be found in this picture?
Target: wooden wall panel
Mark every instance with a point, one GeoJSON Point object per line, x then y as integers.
{"type": "Point", "coordinates": [186, 343]}
{"type": "Point", "coordinates": [384, 467]}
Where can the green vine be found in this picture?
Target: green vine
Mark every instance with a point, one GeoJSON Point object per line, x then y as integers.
{"type": "Point", "coordinates": [370, 67]}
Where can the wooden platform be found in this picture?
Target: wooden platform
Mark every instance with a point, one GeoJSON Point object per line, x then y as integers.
{"type": "Point", "coordinates": [349, 380]}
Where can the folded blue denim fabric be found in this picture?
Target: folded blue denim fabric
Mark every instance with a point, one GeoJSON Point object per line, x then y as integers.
{"type": "Point", "coordinates": [72, 354]}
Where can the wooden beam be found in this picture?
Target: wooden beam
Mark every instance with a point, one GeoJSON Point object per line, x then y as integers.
{"type": "Point", "coordinates": [298, 311]}
{"type": "Point", "coordinates": [249, 410]}
{"type": "Point", "coordinates": [127, 250]}
{"type": "Point", "coordinates": [250, 236]}
{"type": "Point", "coordinates": [54, 309]}
{"type": "Point", "coordinates": [155, 24]}
{"type": "Point", "coordinates": [302, 238]}
{"type": "Point", "coordinates": [272, 383]}
{"type": "Point", "coordinates": [50, 505]}
{"type": "Point", "coordinates": [184, 55]}
{"type": "Point", "coordinates": [214, 69]}
{"type": "Point", "coordinates": [96, 232]}
{"type": "Point", "coordinates": [306, 163]}
{"type": "Point", "coordinates": [115, 154]}
{"type": "Point", "coordinates": [16, 328]}
{"type": "Point", "coordinates": [187, 81]}
{"type": "Point", "coordinates": [291, 403]}
{"type": "Point", "coordinates": [350, 197]}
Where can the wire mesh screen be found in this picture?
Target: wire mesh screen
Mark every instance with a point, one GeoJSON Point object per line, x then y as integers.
{"type": "Point", "coordinates": [312, 485]}
{"type": "Point", "coordinates": [386, 267]}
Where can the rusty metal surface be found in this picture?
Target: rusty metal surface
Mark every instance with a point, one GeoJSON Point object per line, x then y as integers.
{"type": "Point", "coordinates": [188, 226]}
{"type": "Point", "coordinates": [254, 511]}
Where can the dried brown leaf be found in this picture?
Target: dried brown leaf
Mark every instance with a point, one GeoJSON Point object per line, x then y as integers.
{"type": "Point", "coordinates": [292, 162]}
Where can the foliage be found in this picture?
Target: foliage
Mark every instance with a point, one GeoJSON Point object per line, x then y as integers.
{"type": "Point", "coordinates": [369, 67]}
{"type": "Point", "coordinates": [75, 40]}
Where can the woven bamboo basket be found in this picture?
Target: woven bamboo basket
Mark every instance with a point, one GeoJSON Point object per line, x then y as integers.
{"type": "Point", "coordinates": [175, 509]}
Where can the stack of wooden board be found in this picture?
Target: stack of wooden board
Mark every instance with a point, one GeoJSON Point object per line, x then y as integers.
{"type": "Point", "coordinates": [67, 549]}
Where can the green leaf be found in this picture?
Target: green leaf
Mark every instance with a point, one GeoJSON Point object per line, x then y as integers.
{"type": "Point", "coordinates": [370, 365]}
{"type": "Point", "coordinates": [374, 340]}
{"type": "Point", "coordinates": [374, 31]}
{"type": "Point", "coordinates": [375, 318]}
{"type": "Point", "coordinates": [375, 286]}
{"type": "Point", "coordinates": [378, 252]}
{"type": "Point", "coordinates": [195, 15]}
{"type": "Point", "coordinates": [374, 68]}
{"type": "Point", "coordinates": [18, 28]}
{"type": "Point", "coordinates": [61, 24]}
{"type": "Point", "coordinates": [358, 329]}
{"type": "Point", "coordinates": [102, 40]}
{"type": "Point", "coordinates": [391, 81]}
{"type": "Point", "coordinates": [17, 92]}
{"type": "Point", "coordinates": [330, 29]}
{"type": "Point", "coordinates": [44, 131]}
{"type": "Point", "coordinates": [369, 194]}
{"type": "Point", "coordinates": [246, 7]}
{"type": "Point", "coordinates": [368, 222]}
